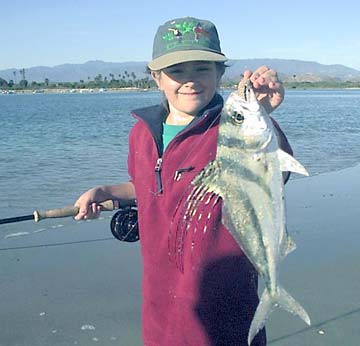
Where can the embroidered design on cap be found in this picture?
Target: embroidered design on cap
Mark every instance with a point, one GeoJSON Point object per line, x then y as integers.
{"type": "Point", "coordinates": [185, 33]}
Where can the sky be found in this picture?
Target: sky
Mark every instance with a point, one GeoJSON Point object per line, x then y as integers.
{"type": "Point", "coordinates": [49, 33]}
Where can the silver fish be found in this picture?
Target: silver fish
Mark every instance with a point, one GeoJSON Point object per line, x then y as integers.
{"type": "Point", "coordinates": [247, 175]}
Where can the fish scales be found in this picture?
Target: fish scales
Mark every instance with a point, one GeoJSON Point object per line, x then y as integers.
{"type": "Point", "coordinates": [247, 175]}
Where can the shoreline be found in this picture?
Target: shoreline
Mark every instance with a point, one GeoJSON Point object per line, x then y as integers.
{"type": "Point", "coordinates": [135, 89]}
{"type": "Point", "coordinates": [71, 91]}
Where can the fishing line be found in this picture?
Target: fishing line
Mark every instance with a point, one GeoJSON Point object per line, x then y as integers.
{"type": "Point", "coordinates": [50, 228]}
{"type": "Point", "coordinates": [55, 244]}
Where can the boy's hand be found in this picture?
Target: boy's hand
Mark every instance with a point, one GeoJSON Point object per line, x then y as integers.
{"type": "Point", "coordinates": [268, 89]}
{"type": "Point", "coordinates": [88, 208]}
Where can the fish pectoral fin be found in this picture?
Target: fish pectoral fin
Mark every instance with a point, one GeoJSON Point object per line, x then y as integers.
{"type": "Point", "coordinates": [290, 164]}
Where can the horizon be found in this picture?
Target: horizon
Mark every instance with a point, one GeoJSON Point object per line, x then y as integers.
{"type": "Point", "coordinates": [41, 33]}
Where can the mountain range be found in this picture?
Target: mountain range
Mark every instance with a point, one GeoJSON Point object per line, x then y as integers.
{"type": "Point", "coordinates": [288, 70]}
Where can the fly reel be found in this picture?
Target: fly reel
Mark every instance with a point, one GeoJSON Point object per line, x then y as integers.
{"type": "Point", "coordinates": [124, 225]}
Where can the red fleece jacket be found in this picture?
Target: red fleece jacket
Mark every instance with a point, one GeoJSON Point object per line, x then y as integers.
{"type": "Point", "coordinates": [199, 289]}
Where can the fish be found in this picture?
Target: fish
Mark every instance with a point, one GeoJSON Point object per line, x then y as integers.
{"type": "Point", "coordinates": [247, 174]}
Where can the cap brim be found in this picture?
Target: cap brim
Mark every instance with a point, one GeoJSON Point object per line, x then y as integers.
{"type": "Point", "coordinates": [185, 56]}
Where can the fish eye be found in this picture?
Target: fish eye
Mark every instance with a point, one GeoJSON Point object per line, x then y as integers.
{"type": "Point", "coordinates": [237, 118]}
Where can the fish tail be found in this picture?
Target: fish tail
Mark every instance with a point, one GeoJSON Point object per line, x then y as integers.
{"type": "Point", "coordinates": [267, 304]}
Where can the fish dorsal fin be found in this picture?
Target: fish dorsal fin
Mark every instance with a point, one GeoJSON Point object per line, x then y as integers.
{"type": "Point", "coordinates": [208, 178]}
{"type": "Point", "coordinates": [289, 164]}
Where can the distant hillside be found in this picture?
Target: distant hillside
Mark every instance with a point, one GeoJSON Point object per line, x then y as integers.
{"type": "Point", "coordinates": [288, 69]}
{"type": "Point", "coordinates": [77, 72]}
{"type": "Point", "coordinates": [301, 70]}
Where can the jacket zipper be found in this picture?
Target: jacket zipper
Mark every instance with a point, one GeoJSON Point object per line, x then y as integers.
{"type": "Point", "coordinates": [158, 175]}
{"type": "Point", "coordinates": [158, 161]}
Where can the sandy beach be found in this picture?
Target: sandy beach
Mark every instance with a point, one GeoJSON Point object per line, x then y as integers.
{"type": "Point", "coordinates": [86, 291]}
{"type": "Point", "coordinates": [323, 273]}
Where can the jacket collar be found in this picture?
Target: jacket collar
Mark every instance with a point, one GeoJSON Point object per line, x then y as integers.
{"type": "Point", "coordinates": [155, 116]}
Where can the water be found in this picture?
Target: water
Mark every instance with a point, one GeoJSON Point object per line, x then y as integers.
{"type": "Point", "coordinates": [55, 146]}
{"type": "Point", "coordinates": [323, 127]}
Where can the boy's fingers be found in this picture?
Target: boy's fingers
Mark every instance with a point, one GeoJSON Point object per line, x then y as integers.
{"type": "Point", "coordinates": [83, 211]}
{"type": "Point", "coordinates": [247, 74]}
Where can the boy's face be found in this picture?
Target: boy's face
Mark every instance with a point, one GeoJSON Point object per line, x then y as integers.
{"type": "Point", "coordinates": [188, 86]}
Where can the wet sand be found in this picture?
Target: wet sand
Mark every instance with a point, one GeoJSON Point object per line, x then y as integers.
{"type": "Point", "coordinates": [87, 291]}
{"type": "Point", "coordinates": [323, 273]}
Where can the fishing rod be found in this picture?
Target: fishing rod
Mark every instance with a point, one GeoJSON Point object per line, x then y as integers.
{"type": "Point", "coordinates": [37, 216]}
{"type": "Point", "coordinates": [123, 225]}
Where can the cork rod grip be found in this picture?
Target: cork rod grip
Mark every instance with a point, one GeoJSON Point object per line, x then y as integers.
{"type": "Point", "coordinates": [68, 211]}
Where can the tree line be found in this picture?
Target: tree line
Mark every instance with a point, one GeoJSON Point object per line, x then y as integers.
{"type": "Point", "coordinates": [123, 80]}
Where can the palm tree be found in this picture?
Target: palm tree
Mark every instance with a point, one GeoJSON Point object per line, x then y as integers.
{"type": "Point", "coordinates": [22, 72]}
{"type": "Point", "coordinates": [98, 78]}
{"type": "Point", "coordinates": [3, 83]}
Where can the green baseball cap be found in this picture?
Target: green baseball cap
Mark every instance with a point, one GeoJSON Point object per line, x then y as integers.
{"type": "Point", "coordinates": [185, 39]}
